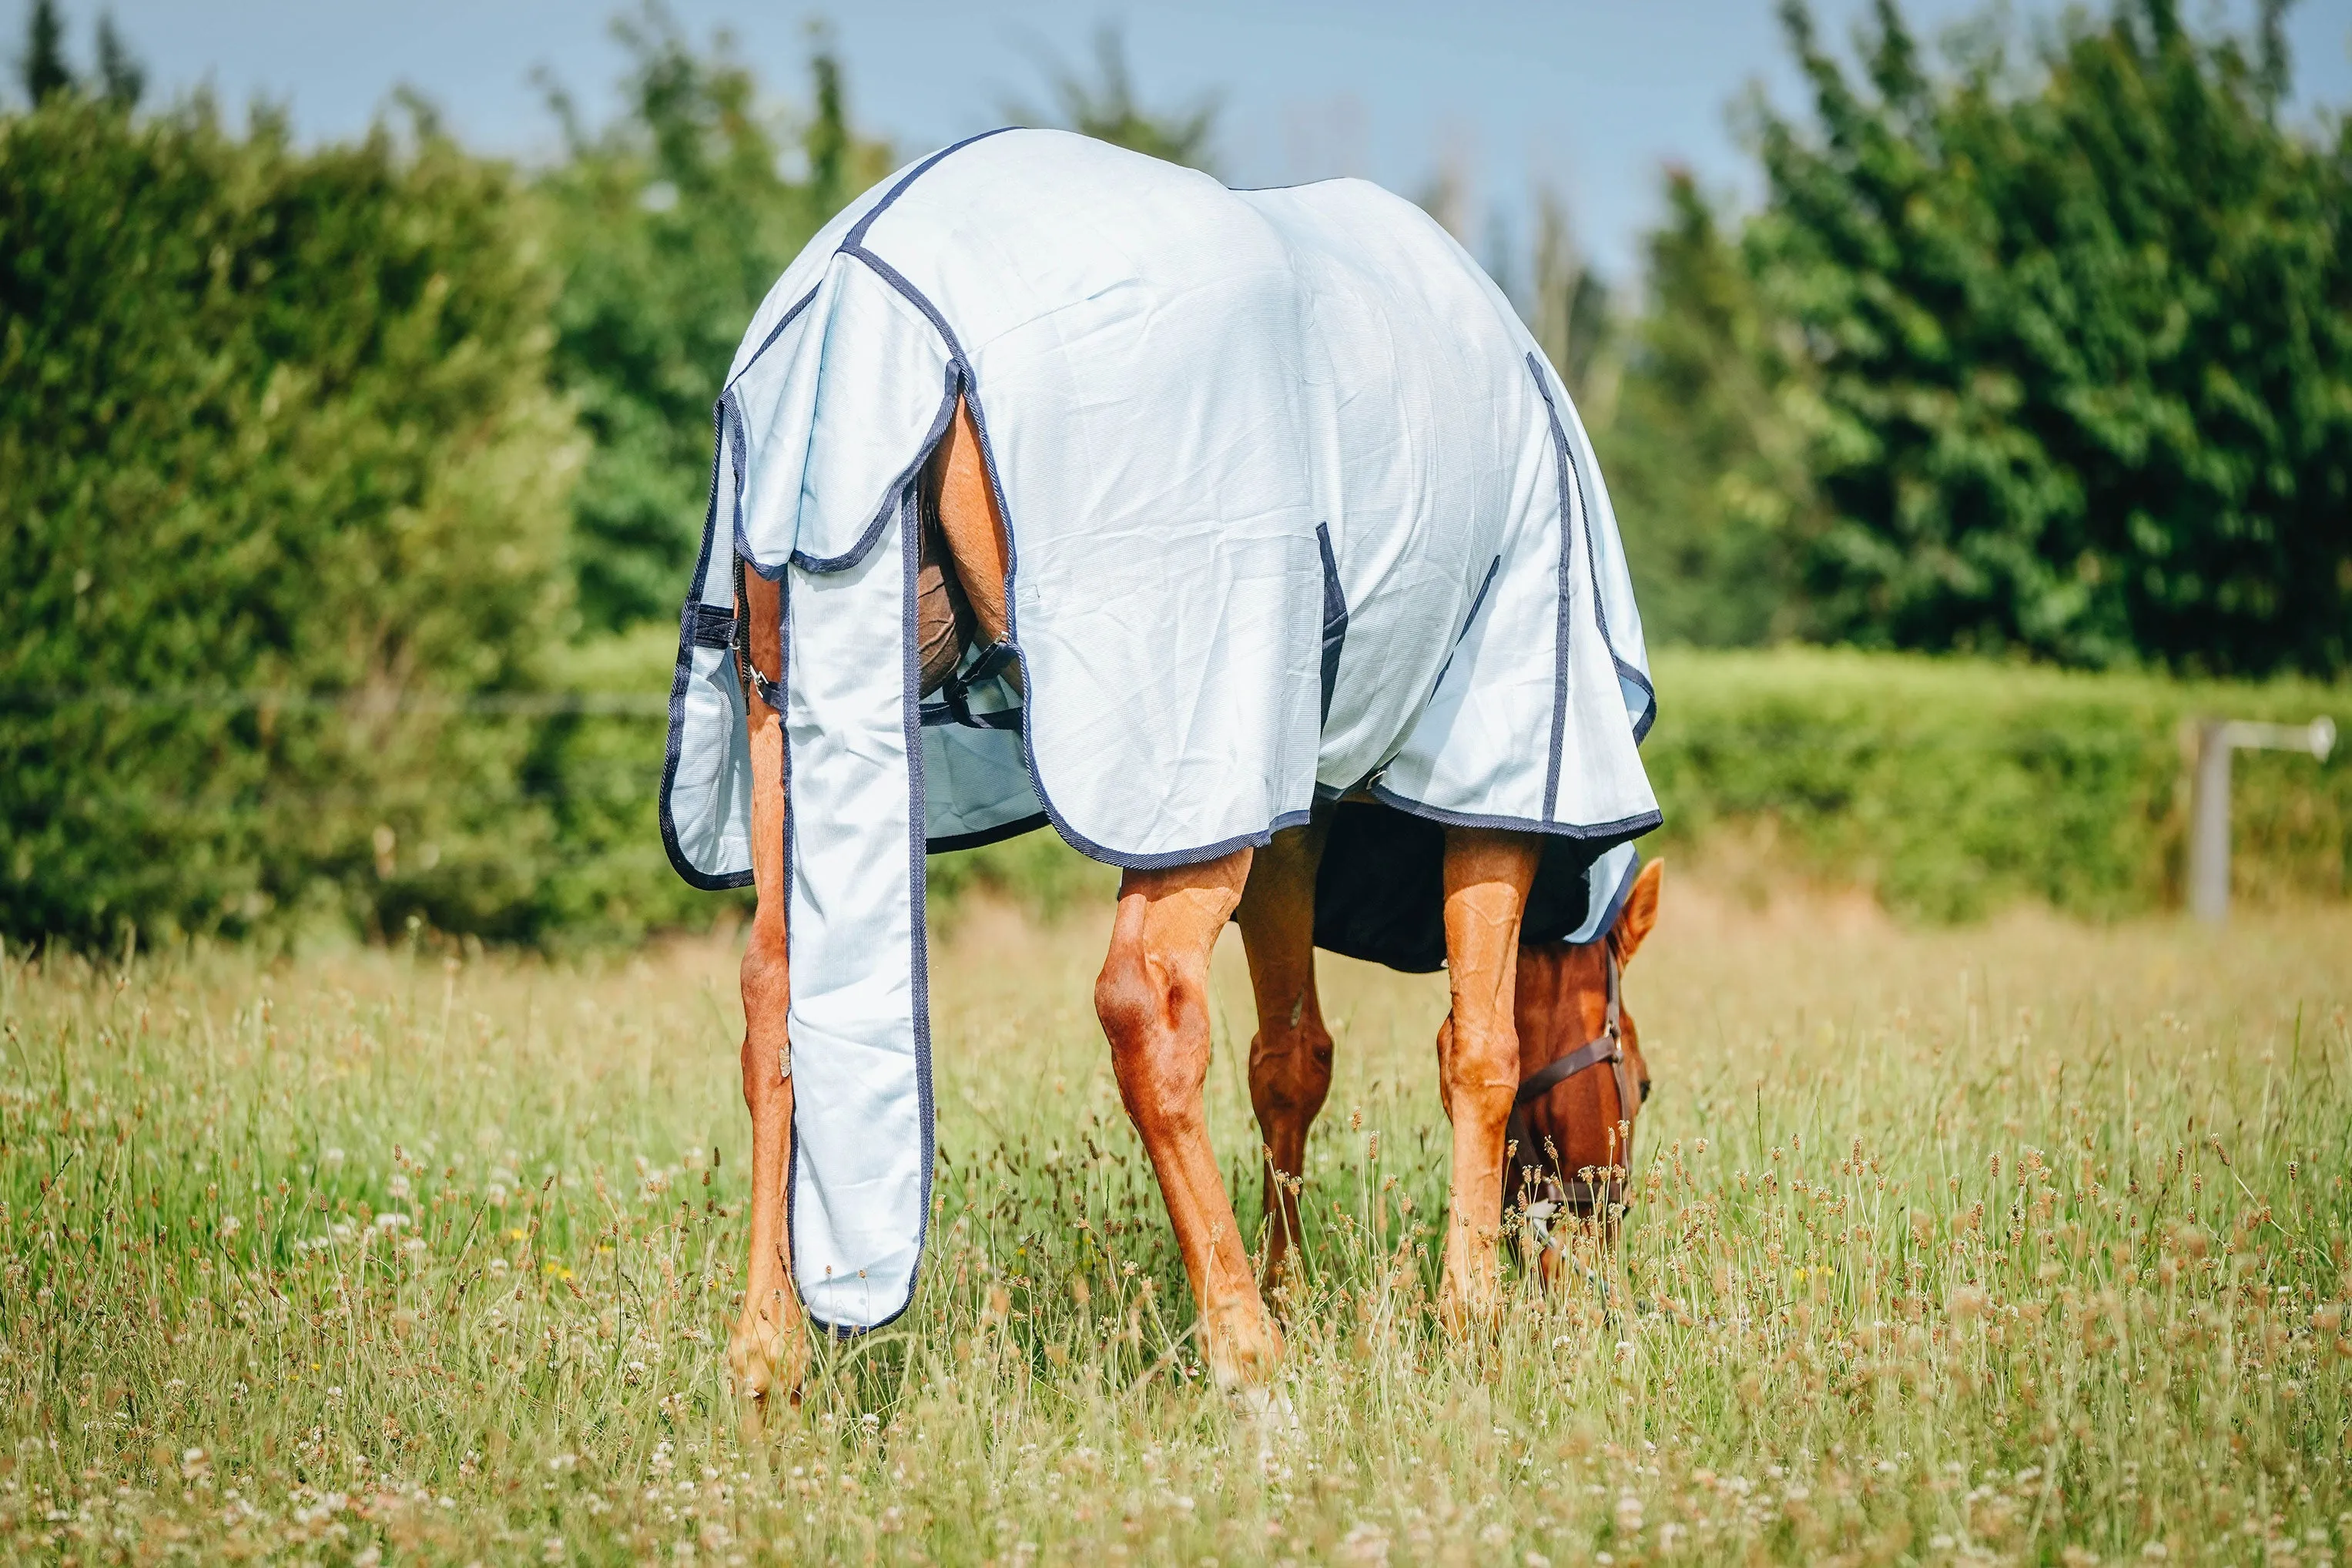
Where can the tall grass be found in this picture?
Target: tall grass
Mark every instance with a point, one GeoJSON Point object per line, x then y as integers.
{"type": "Point", "coordinates": [2024, 1242]}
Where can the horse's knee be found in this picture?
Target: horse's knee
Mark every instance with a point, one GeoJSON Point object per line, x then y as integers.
{"type": "Point", "coordinates": [1479, 1065]}
{"type": "Point", "coordinates": [1144, 1007]}
{"type": "Point", "coordinates": [1290, 1071]}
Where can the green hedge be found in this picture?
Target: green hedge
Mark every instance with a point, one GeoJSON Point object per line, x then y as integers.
{"type": "Point", "coordinates": [282, 501]}
{"type": "Point", "coordinates": [1948, 788]}
{"type": "Point", "coordinates": [1951, 787]}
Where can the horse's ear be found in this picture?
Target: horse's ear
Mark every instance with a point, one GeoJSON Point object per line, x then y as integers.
{"type": "Point", "coordinates": [1640, 913]}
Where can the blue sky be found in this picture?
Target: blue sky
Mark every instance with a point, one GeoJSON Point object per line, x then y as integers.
{"type": "Point", "coordinates": [1591, 100]}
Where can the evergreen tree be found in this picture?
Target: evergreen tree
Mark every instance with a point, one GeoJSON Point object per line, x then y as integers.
{"type": "Point", "coordinates": [1108, 109]}
{"type": "Point", "coordinates": [284, 485]}
{"type": "Point", "coordinates": [1705, 453]}
{"type": "Point", "coordinates": [2083, 349]}
{"type": "Point", "coordinates": [120, 74]}
{"type": "Point", "coordinates": [670, 224]}
{"type": "Point", "coordinates": [42, 68]}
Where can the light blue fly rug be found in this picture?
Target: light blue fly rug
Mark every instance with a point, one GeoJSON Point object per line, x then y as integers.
{"type": "Point", "coordinates": [1296, 511]}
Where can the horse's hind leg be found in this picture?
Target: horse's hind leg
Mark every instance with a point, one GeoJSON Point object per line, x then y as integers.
{"type": "Point", "coordinates": [767, 1351]}
{"type": "Point", "coordinates": [1487, 875]}
{"type": "Point", "coordinates": [1290, 1057]}
{"type": "Point", "coordinates": [1153, 999]}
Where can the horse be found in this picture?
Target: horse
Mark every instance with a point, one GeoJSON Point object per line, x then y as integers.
{"type": "Point", "coordinates": [1244, 539]}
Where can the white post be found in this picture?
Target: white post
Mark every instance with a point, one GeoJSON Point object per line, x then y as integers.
{"type": "Point", "coordinates": [2209, 825]}
{"type": "Point", "coordinates": [2209, 799]}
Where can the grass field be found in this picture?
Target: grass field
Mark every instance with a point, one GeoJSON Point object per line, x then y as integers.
{"type": "Point", "coordinates": [2025, 1242]}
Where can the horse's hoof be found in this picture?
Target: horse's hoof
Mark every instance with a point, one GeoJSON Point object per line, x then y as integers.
{"type": "Point", "coordinates": [765, 1358]}
{"type": "Point", "coordinates": [1270, 1415]}
{"type": "Point", "coordinates": [1465, 1311]}
{"type": "Point", "coordinates": [1244, 1350]}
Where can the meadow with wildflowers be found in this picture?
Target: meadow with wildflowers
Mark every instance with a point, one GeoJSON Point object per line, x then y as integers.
{"type": "Point", "coordinates": [2023, 1242]}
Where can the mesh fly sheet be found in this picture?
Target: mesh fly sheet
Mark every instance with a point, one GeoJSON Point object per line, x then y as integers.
{"type": "Point", "coordinates": [1296, 511]}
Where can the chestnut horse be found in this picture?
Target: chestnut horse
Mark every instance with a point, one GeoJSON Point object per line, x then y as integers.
{"type": "Point", "coordinates": [1513, 1011]}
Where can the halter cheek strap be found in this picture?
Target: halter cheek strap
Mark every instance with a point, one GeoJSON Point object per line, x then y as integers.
{"type": "Point", "coordinates": [1581, 1193]}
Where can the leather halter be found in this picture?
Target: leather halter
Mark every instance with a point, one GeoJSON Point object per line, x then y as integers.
{"type": "Point", "coordinates": [1579, 1194]}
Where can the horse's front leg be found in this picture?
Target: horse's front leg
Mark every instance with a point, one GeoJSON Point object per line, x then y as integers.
{"type": "Point", "coordinates": [1153, 999]}
{"type": "Point", "coordinates": [1487, 875]}
{"type": "Point", "coordinates": [1290, 1056]}
{"type": "Point", "coordinates": [767, 1351]}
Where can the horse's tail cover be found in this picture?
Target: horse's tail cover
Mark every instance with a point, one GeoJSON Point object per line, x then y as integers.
{"type": "Point", "coordinates": [1296, 510]}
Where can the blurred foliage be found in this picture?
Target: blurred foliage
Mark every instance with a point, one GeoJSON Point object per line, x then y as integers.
{"type": "Point", "coordinates": [1952, 787]}
{"type": "Point", "coordinates": [1037, 872]}
{"type": "Point", "coordinates": [269, 421]}
{"type": "Point", "coordinates": [595, 775]}
{"type": "Point", "coordinates": [669, 226]}
{"type": "Point", "coordinates": [2085, 354]}
{"type": "Point", "coordinates": [2052, 355]}
{"type": "Point", "coordinates": [1108, 109]}
{"type": "Point", "coordinates": [1949, 788]}
{"type": "Point", "coordinates": [1705, 460]}
{"type": "Point", "coordinates": [1571, 314]}
{"type": "Point", "coordinates": [346, 494]}
{"type": "Point", "coordinates": [41, 69]}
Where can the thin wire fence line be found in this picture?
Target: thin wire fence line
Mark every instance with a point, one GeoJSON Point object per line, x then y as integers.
{"type": "Point", "coordinates": [647, 705]}
{"type": "Point", "coordinates": [497, 704]}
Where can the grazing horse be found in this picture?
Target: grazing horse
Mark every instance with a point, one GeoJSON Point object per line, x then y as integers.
{"type": "Point", "coordinates": [1244, 538]}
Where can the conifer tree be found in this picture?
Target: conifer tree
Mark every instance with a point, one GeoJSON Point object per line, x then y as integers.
{"type": "Point", "coordinates": [42, 68]}
{"type": "Point", "coordinates": [120, 75]}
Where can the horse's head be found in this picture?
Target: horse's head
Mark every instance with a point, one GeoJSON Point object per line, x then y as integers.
{"type": "Point", "coordinates": [1580, 1060]}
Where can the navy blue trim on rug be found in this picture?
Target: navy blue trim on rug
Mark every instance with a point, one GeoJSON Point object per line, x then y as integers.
{"type": "Point", "coordinates": [1478, 603]}
{"type": "Point", "coordinates": [784, 894]}
{"type": "Point", "coordinates": [857, 552]}
{"type": "Point", "coordinates": [1571, 467]}
{"type": "Point", "coordinates": [971, 398]}
{"type": "Point", "coordinates": [1335, 618]}
{"type": "Point", "coordinates": [855, 240]}
{"type": "Point", "coordinates": [1649, 718]}
{"type": "Point", "coordinates": [690, 631]}
{"type": "Point", "coordinates": [856, 236]}
{"type": "Point", "coordinates": [1567, 587]}
{"type": "Point", "coordinates": [948, 843]}
{"type": "Point", "coordinates": [915, 297]}
{"type": "Point", "coordinates": [917, 846]}
{"type": "Point", "coordinates": [740, 444]}
{"type": "Point", "coordinates": [1616, 905]}
{"type": "Point", "coordinates": [770, 340]}
{"type": "Point", "coordinates": [1614, 832]}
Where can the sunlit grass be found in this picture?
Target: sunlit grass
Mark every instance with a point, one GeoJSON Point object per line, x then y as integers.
{"type": "Point", "coordinates": [2026, 1243]}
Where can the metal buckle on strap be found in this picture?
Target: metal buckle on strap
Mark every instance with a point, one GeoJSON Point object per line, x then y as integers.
{"type": "Point", "coordinates": [956, 690]}
{"type": "Point", "coordinates": [739, 639]}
